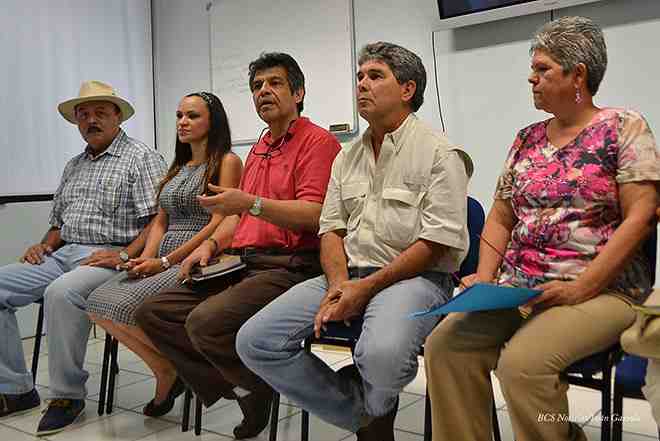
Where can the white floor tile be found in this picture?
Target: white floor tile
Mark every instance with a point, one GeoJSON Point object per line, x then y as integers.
{"type": "Point", "coordinates": [418, 385]}
{"type": "Point", "coordinates": [137, 366]}
{"type": "Point", "coordinates": [134, 395]}
{"type": "Point", "coordinates": [223, 420]}
{"type": "Point", "coordinates": [497, 392]}
{"type": "Point", "coordinates": [289, 430]}
{"type": "Point", "coordinates": [9, 434]}
{"type": "Point", "coordinates": [506, 432]}
{"type": "Point", "coordinates": [593, 434]}
{"type": "Point", "coordinates": [175, 434]}
{"type": "Point", "coordinates": [637, 419]}
{"type": "Point", "coordinates": [399, 435]}
{"type": "Point", "coordinates": [411, 418]}
{"type": "Point", "coordinates": [583, 404]}
{"type": "Point", "coordinates": [124, 426]}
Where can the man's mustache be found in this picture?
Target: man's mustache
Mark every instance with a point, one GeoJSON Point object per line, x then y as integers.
{"type": "Point", "coordinates": [93, 129]}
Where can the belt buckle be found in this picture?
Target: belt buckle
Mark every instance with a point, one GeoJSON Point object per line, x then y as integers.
{"type": "Point", "coordinates": [249, 251]}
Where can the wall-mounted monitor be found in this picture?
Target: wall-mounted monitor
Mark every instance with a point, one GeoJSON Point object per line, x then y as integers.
{"type": "Point", "coordinates": [457, 13]}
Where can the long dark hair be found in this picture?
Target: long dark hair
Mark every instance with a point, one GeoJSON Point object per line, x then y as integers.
{"type": "Point", "coordinates": [219, 143]}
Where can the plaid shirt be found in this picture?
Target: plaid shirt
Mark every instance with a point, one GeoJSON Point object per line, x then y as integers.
{"type": "Point", "coordinates": [109, 198]}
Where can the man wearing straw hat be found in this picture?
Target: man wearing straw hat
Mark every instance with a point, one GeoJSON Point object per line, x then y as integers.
{"type": "Point", "coordinates": [105, 199]}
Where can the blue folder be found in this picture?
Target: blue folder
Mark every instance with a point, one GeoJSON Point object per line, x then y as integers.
{"type": "Point", "coordinates": [483, 297]}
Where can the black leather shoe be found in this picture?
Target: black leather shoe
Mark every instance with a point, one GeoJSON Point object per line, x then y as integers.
{"type": "Point", "coordinates": [256, 412]}
{"type": "Point", "coordinates": [155, 410]}
{"type": "Point", "coordinates": [380, 428]}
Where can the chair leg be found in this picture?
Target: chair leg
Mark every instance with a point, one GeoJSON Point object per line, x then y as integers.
{"type": "Point", "coordinates": [304, 425]}
{"type": "Point", "coordinates": [606, 405]}
{"type": "Point", "coordinates": [37, 343]}
{"type": "Point", "coordinates": [617, 423]}
{"type": "Point", "coordinates": [107, 348]}
{"type": "Point", "coordinates": [114, 370]}
{"type": "Point", "coordinates": [427, 417]}
{"type": "Point", "coordinates": [304, 429]}
{"type": "Point", "coordinates": [274, 417]}
{"type": "Point", "coordinates": [185, 420]}
{"type": "Point", "coordinates": [496, 425]}
{"type": "Point", "coordinates": [198, 416]}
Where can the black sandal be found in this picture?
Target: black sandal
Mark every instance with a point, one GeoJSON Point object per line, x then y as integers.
{"type": "Point", "coordinates": [155, 410]}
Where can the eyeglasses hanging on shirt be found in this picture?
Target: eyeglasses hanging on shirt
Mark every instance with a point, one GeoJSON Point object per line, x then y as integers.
{"type": "Point", "coordinates": [271, 150]}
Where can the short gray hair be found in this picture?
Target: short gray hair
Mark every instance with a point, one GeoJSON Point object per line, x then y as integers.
{"type": "Point", "coordinates": [405, 66]}
{"type": "Point", "coordinates": [573, 40]}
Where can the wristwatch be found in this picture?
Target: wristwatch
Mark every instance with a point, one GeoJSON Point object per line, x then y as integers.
{"type": "Point", "coordinates": [255, 209]}
{"type": "Point", "coordinates": [123, 256]}
{"type": "Point", "coordinates": [166, 263]}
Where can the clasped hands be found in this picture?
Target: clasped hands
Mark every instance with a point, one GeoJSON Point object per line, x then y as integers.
{"type": "Point", "coordinates": [227, 201]}
{"type": "Point", "coordinates": [342, 302]}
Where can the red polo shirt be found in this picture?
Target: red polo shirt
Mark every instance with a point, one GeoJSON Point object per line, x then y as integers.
{"type": "Point", "coordinates": [296, 166]}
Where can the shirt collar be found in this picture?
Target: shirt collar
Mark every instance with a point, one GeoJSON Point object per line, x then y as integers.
{"type": "Point", "coordinates": [113, 149]}
{"type": "Point", "coordinates": [294, 127]}
{"type": "Point", "coordinates": [398, 136]}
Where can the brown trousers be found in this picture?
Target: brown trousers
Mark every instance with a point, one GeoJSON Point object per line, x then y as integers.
{"type": "Point", "coordinates": [195, 327]}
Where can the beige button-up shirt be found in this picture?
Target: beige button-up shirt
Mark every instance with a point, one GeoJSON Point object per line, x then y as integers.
{"type": "Point", "coordinates": [416, 190]}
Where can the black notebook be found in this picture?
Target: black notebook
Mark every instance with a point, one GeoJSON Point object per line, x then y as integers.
{"type": "Point", "coordinates": [224, 264]}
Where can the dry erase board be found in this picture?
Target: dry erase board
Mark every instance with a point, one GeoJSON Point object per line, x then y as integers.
{"type": "Point", "coordinates": [319, 34]}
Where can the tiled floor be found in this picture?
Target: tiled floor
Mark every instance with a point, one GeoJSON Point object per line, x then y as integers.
{"type": "Point", "coordinates": [136, 386]}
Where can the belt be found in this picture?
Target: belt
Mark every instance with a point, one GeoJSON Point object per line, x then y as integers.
{"type": "Point", "coordinates": [273, 251]}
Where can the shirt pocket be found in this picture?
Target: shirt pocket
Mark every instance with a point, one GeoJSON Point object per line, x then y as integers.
{"type": "Point", "coordinates": [353, 195]}
{"type": "Point", "coordinates": [109, 193]}
{"type": "Point", "coordinates": [399, 221]}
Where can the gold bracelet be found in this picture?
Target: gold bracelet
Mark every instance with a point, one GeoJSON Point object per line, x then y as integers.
{"type": "Point", "coordinates": [215, 242]}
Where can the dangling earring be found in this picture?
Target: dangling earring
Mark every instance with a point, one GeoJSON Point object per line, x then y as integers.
{"type": "Point", "coordinates": [578, 97]}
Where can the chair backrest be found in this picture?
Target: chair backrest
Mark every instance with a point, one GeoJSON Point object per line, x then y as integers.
{"type": "Point", "coordinates": [475, 220]}
{"type": "Point", "coordinates": [650, 251]}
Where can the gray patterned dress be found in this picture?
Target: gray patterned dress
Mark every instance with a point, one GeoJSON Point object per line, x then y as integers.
{"type": "Point", "coordinates": [119, 297]}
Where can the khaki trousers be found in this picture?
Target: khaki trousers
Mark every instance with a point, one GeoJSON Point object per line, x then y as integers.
{"type": "Point", "coordinates": [527, 356]}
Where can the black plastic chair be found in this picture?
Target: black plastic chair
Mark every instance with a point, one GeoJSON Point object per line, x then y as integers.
{"type": "Point", "coordinates": [338, 334]}
{"type": "Point", "coordinates": [187, 402]}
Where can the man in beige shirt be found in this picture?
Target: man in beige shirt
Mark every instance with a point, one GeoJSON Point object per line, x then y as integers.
{"type": "Point", "coordinates": [393, 228]}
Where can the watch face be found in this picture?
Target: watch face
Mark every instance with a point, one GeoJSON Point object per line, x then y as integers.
{"type": "Point", "coordinates": [123, 256]}
{"type": "Point", "coordinates": [255, 210]}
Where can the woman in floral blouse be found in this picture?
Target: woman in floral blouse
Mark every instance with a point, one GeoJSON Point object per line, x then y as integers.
{"type": "Point", "coordinates": [574, 203]}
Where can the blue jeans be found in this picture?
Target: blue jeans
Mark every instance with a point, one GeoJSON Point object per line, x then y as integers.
{"type": "Point", "coordinates": [65, 286]}
{"type": "Point", "coordinates": [386, 352]}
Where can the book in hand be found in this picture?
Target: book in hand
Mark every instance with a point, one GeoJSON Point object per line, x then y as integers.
{"type": "Point", "coordinates": [223, 264]}
{"type": "Point", "coordinates": [483, 297]}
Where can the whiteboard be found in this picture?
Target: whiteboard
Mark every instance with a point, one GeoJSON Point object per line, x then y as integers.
{"type": "Point", "coordinates": [319, 34]}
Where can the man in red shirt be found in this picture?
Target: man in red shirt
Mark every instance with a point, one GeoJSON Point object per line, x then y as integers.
{"type": "Point", "coordinates": [271, 221]}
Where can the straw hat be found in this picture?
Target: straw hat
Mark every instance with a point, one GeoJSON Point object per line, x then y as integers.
{"type": "Point", "coordinates": [95, 91]}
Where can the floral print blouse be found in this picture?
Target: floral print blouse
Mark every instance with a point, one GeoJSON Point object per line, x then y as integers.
{"type": "Point", "coordinates": [566, 200]}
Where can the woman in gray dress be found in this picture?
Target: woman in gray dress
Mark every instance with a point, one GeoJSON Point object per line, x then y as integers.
{"type": "Point", "coordinates": [202, 156]}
